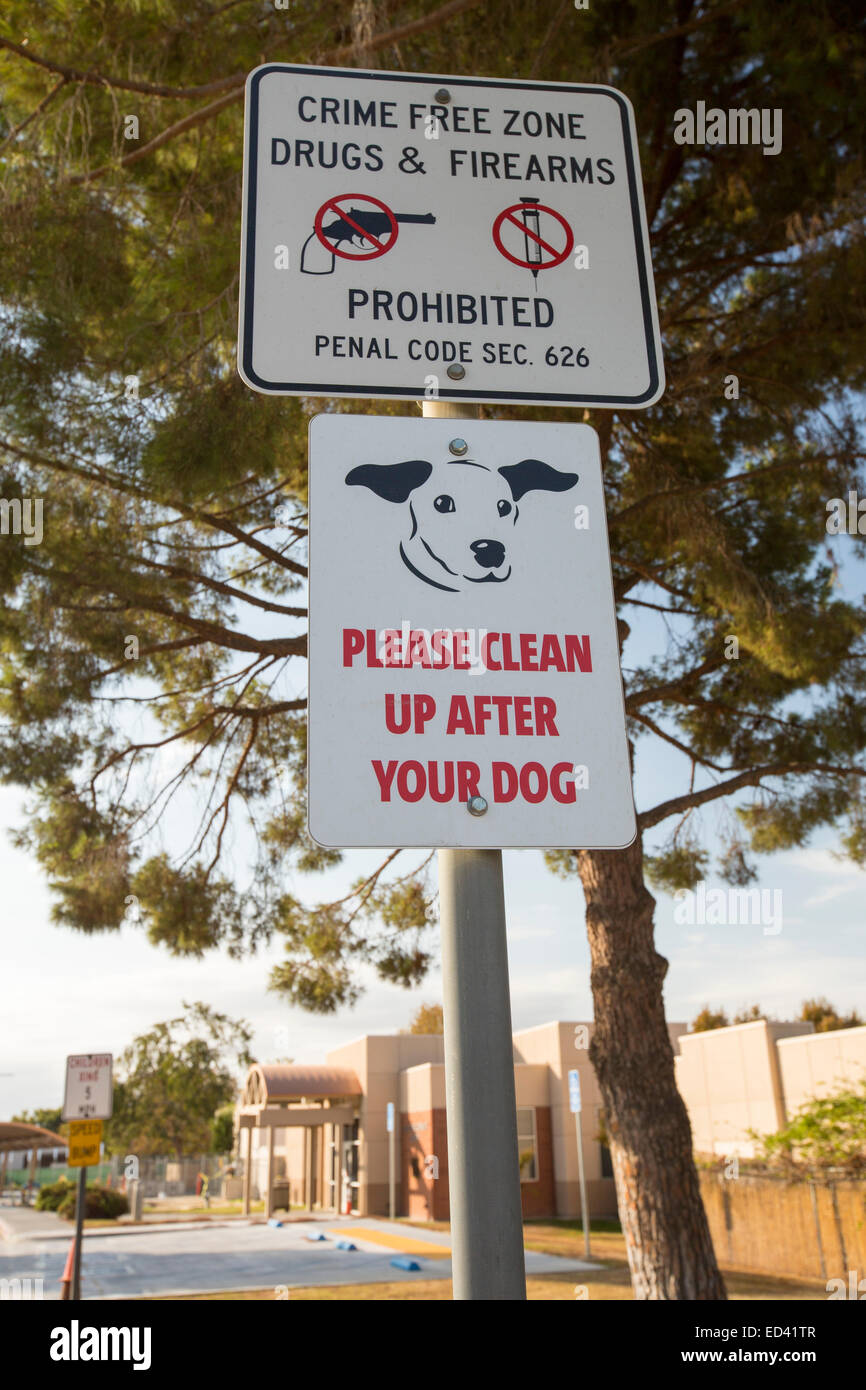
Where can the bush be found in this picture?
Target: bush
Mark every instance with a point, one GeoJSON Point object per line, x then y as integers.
{"type": "Point", "coordinates": [828, 1132]}
{"type": "Point", "coordinates": [103, 1204]}
{"type": "Point", "coordinates": [53, 1194]}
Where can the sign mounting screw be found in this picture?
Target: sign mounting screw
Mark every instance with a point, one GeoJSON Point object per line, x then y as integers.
{"type": "Point", "coordinates": [456, 371]}
{"type": "Point", "coordinates": [476, 806]}
{"type": "Point", "coordinates": [442, 95]}
{"type": "Point", "coordinates": [459, 447]}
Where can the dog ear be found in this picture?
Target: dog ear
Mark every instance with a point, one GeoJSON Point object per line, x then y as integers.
{"type": "Point", "coordinates": [531, 475]}
{"type": "Point", "coordinates": [392, 481]}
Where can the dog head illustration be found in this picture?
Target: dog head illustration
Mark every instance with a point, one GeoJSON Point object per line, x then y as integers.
{"type": "Point", "coordinates": [461, 514]}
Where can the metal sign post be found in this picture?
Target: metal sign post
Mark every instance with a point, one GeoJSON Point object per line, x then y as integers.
{"type": "Point", "coordinates": [85, 1138]}
{"type": "Point", "coordinates": [392, 1203]}
{"type": "Point", "coordinates": [575, 1106]}
{"type": "Point", "coordinates": [88, 1099]}
{"type": "Point", "coordinates": [487, 1259]}
{"type": "Point", "coordinates": [80, 1205]}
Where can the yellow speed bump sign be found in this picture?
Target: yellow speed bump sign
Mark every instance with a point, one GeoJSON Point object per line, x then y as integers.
{"type": "Point", "coordinates": [85, 1139]}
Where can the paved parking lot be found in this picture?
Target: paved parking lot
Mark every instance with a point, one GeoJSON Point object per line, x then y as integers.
{"type": "Point", "coordinates": [126, 1263]}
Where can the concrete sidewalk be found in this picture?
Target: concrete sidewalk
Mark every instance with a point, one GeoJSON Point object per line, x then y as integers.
{"type": "Point", "coordinates": [142, 1262]}
{"type": "Point", "coordinates": [26, 1223]}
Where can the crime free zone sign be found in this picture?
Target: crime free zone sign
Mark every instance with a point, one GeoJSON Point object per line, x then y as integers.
{"type": "Point", "coordinates": [465, 686]}
{"type": "Point", "coordinates": [408, 235]}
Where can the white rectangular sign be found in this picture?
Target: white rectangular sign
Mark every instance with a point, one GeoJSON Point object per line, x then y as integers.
{"type": "Point", "coordinates": [463, 641]}
{"type": "Point", "coordinates": [88, 1094]}
{"type": "Point", "coordinates": [574, 1092]}
{"type": "Point", "coordinates": [410, 235]}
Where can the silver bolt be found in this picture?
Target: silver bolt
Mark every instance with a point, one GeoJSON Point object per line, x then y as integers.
{"type": "Point", "coordinates": [456, 371]}
{"type": "Point", "coordinates": [459, 447]}
{"type": "Point", "coordinates": [476, 806]}
{"type": "Point", "coordinates": [442, 96]}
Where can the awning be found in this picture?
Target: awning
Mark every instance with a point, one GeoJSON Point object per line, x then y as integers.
{"type": "Point", "coordinates": [14, 1137]}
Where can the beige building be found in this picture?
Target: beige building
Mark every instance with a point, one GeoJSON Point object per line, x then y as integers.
{"type": "Point", "coordinates": [755, 1076]}
{"type": "Point", "coordinates": [820, 1063]}
{"type": "Point", "coordinates": [731, 1082]}
{"type": "Point", "coordinates": [317, 1136]}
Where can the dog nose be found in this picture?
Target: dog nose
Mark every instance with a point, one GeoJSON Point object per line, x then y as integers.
{"type": "Point", "coordinates": [488, 553]}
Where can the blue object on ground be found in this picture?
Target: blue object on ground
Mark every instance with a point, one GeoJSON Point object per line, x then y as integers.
{"type": "Point", "coordinates": [346, 1245]}
{"type": "Point", "coordinates": [318, 1236]}
{"type": "Point", "coordinates": [405, 1262]}
{"type": "Point", "coordinates": [272, 1221]}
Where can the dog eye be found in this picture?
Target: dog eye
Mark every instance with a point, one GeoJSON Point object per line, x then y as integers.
{"type": "Point", "coordinates": [444, 503]}
{"type": "Point", "coordinates": [503, 507]}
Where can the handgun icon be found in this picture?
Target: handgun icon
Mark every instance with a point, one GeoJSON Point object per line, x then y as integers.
{"type": "Point", "coordinates": [356, 226]}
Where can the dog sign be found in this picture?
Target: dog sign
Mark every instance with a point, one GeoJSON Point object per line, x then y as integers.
{"type": "Point", "coordinates": [465, 685]}
{"type": "Point", "coordinates": [488, 234]}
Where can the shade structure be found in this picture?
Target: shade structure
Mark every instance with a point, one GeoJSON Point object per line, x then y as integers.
{"type": "Point", "coordinates": [274, 1081]}
{"type": "Point", "coordinates": [15, 1136]}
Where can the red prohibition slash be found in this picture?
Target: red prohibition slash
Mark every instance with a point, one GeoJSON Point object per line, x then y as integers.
{"type": "Point", "coordinates": [332, 243]}
{"type": "Point", "coordinates": [517, 215]}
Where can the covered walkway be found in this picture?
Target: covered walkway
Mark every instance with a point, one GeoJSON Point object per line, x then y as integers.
{"type": "Point", "coordinates": [305, 1118]}
{"type": "Point", "coordinates": [18, 1138]}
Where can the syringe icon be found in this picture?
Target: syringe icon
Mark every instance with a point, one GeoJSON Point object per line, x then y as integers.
{"type": "Point", "coordinates": [532, 233]}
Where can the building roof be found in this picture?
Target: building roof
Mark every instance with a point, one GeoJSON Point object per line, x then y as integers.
{"type": "Point", "coordinates": [15, 1136]}
{"type": "Point", "coordinates": [271, 1081]}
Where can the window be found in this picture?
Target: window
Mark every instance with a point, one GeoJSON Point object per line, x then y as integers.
{"type": "Point", "coordinates": [527, 1147]}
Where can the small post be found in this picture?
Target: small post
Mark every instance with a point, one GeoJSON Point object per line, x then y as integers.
{"type": "Point", "coordinates": [576, 1106]}
{"type": "Point", "coordinates": [248, 1164]}
{"type": "Point", "coordinates": [80, 1205]}
{"type": "Point", "coordinates": [584, 1209]}
{"type": "Point", "coordinates": [66, 1276]}
{"type": "Point", "coordinates": [392, 1202]}
{"type": "Point", "coordinates": [269, 1195]}
{"type": "Point", "coordinates": [483, 1167]}
{"type": "Point", "coordinates": [309, 1134]}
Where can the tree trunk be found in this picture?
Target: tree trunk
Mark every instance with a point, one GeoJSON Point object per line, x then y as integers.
{"type": "Point", "coordinates": [670, 1253]}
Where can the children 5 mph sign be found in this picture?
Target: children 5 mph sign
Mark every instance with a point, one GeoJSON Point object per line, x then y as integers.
{"type": "Point", "coordinates": [465, 686]}
{"type": "Point", "coordinates": [460, 238]}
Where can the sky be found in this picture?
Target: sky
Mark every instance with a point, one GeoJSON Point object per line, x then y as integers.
{"type": "Point", "coordinates": [63, 992]}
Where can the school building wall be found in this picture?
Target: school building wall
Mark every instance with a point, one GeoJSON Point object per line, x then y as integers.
{"type": "Point", "coordinates": [820, 1063]}
{"type": "Point", "coordinates": [378, 1062]}
{"type": "Point", "coordinates": [748, 1076]}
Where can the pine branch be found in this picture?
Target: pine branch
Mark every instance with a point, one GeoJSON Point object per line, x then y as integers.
{"type": "Point", "coordinates": [626, 47]}
{"type": "Point", "coordinates": [681, 747]}
{"type": "Point", "coordinates": [220, 587]}
{"type": "Point", "coordinates": [122, 84]}
{"type": "Point", "coordinates": [37, 111]}
{"type": "Point", "coordinates": [236, 93]}
{"type": "Point", "coordinates": [748, 476]}
{"type": "Point", "coordinates": [751, 778]}
{"type": "Point", "coordinates": [403, 31]}
{"type": "Point", "coordinates": [114, 482]}
{"type": "Point", "coordinates": [672, 689]}
{"type": "Point", "coordinates": [189, 122]}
